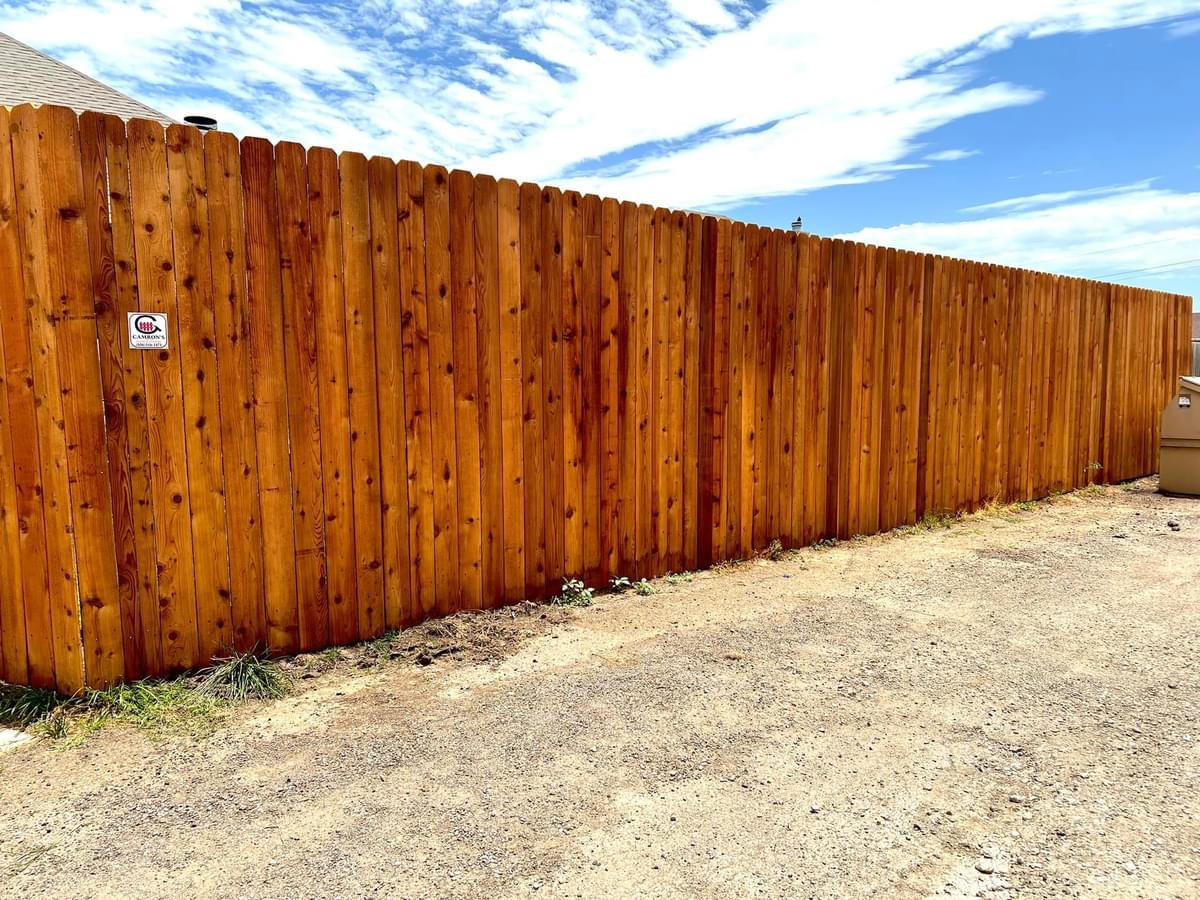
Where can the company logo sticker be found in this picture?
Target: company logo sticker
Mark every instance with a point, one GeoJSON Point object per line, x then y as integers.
{"type": "Point", "coordinates": [147, 331]}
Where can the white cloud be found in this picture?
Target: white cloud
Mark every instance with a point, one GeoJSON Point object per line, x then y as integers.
{"type": "Point", "coordinates": [951, 155]}
{"type": "Point", "coordinates": [1151, 234]}
{"type": "Point", "coordinates": [697, 103]}
{"type": "Point", "coordinates": [1032, 201]}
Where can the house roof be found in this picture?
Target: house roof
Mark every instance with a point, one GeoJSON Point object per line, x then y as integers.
{"type": "Point", "coordinates": [29, 76]}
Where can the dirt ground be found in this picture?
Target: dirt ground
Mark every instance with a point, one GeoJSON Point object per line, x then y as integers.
{"type": "Point", "coordinates": [1007, 707]}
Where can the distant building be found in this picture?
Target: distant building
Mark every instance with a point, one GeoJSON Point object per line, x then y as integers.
{"type": "Point", "coordinates": [30, 76]}
{"type": "Point", "coordinates": [1196, 343]}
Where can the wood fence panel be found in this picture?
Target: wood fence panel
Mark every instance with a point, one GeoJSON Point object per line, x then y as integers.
{"type": "Point", "coordinates": [363, 387]}
{"type": "Point", "coordinates": [150, 189]}
{"type": "Point", "coordinates": [198, 356]}
{"type": "Point", "coordinates": [391, 392]}
{"type": "Point", "coordinates": [227, 254]}
{"type": "Point", "coordinates": [417, 349]}
{"type": "Point", "coordinates": [269, 380]}
{"type": "Point", "coordinates": [491, 463]}
{"type": "Point", "coordinates": [312, 324]}
{"type": "Point", "coordinates": [508, 226]}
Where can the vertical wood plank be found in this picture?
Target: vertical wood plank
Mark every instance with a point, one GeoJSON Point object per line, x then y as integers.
{"type": "Point", "coordinates": [691, 448]}
{"type": "Point", "coordinates": [390, 392]}
{"type": "Point", "coordinates": [572, 397]}
{"type": "Point", "coordinates": [362, 330]}
{"type": "Point", "coordinates": [442, 400]}
{"type": "Point", "coordinates": [235, 386]}
{"type": "Point", "coordinates": [150, 190]}
{"type": "Point", "coordinates": [464, 314]}
{"type": "Point", "coordinates": [590, 337]}
{"type": "Point", "coordinates": [553, 470]}
{"type": "Point", "coordinates": [643, 380]}
{"type": "Point", "coordinates": [735, 437]}
{"type": "Point", "coordinates": [629, 352]}
{"type": "Point", "coordinates": [511, 387]}
{"type": "Point", "coordinates": [198, 357]}
{"type": "Point", "coordinates": [491, 462]}
{"type": "Point", "coordinates": [268, 371]}
{"type": "Point", "coordinates": [610, 350]}
{"type": "Point", "coordinates": [319, 406]}
{"type": "Point", "coordinates": [312, 325]}
{"type": "Point", "coordinates": [532, 327]}
{"type": "Point", "coordinates": [417, 351]}
{"type": "Point", "coordinates": [124, 420]}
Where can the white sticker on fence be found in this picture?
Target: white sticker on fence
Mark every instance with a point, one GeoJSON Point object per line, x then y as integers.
{"type": "Point", "coordinates": [1185, 401]}
{"type": "Point", "coordinates": [147, 331]}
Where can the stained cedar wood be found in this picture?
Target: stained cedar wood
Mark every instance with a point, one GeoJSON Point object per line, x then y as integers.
{"type": "Point", "coordinates": [717, 258]}
{"type": "Point", "coordinates": [553, 471]}
{"type": "Point", "coordinates": [628, 352]}
{"type": "Point", "coordinates": [463, 312]}
{"type": "Point", "coordinates": [765, 339]}
{"type": "Point", "coordinates": [227, 253]}
{"type": "Point", "coordinates": [771, 370]}
{"type": "Point", "coordinates": [268, 375]}
{"type": "Point", "coordinates": [363, 386]}
{"type": "Point", "coordinates": [442, 401]}
{"type": "Point", "coordinates": [319, 406]}
{"type": "Point", "coordinates": [390, 395]}
{"type": "Point", "coordinates": [660, 421]}
{"type": "Point", "coordinates": [800, 347]}
{"type": "Point", "coordinates": [590, 289]}
{"type": "Point", "coordinates": [609, 344]}
{"type": "Point", "coordinates": [786, 299]}
{"type": "Point", "coordinates": [572, 397]}
{"type": "Point", "coordinates": [490, 365]}
{"type": "Point", "coordinates": [819, 370]}
{"type": "Point", "coordinates": [22, 558]}
{"type": "Point", "coordinates": [533, 415]}
{"type": "Point", "coordinates": [198, 357]}
{"type": "Point", "coordinates": [74, 330]}
{"type": "Point", "coordinates": [417, 362]}
{"type": "Point", "coordinates": [980, 430]}
{"type": "Point", "coordinates": [309, 307]}
{"type": "Point", "coordinates": [164, 397]}
{"type": "Point", "coordinates": [734, 438]}
{"type": "Point", "coordinates": [110, 339]}
{"type": "Point", "coordinates": [708, 395]}
{"type": "Point", "coordinates": [511, 387]}
{"type": "Point", "coordinates": [672, 510]}
{"type": "Point", "coordinates": [751, 344]}
{"type": "Point", "coordinates": [646, 422]}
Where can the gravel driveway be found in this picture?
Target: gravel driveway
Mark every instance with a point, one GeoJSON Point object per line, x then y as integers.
{"type": "Point", "coordinates": [1004, 707]}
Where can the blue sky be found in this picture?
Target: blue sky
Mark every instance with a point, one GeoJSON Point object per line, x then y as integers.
{"type": "Point", "coordinates": [1052, 134]}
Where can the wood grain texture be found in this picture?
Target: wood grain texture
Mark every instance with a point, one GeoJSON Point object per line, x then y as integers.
{"type": "Point", "coordinates": [392, 392]}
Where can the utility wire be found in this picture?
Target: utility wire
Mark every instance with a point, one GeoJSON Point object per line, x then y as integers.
{"type": "Point", "coordinates": [1179, 262]}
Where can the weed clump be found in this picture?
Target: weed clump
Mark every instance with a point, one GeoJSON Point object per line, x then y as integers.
{"type": "Point", "coordinates": [242, 676]}
{"type": "Point", "coordinates": [574, 593]}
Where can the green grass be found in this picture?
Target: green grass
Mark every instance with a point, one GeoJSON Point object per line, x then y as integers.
{"type": "Point", "coordinates": [21, 707]}
{"type": "Point", "coordinates": [188, 704]}
{"type": "Point", "coordinates": [242, 676]}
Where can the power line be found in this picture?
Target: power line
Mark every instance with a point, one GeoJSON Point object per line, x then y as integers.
{"type": "Point", "coordinates": [1128, 246]}
{"type": "Point", "coordinates": [1152, 268]}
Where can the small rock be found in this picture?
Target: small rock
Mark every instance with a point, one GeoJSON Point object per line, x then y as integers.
{"type": "Point", "coordinates": [1129, 868]}
{"type": "Point", "coordinates": [986, 866]}
{"type": "Point", "coordinates": [814, 809]}
{"type": "Point", "coordinates": [1120, 535]}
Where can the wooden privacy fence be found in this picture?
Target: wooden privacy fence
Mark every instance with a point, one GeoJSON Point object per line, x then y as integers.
{"type": "Point", "coordinates": [392, 392]}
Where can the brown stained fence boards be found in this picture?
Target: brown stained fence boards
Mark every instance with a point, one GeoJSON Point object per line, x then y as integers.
{"type": "Point", "coordinates": [269, 382]}
{"type": "Point", "coordinates": [198, 357]}
{"type": "Point", "coordinates": [319, 406]}
{"type": "Point", "coordinates": [392, 392]}
{"type": "Point", "coordinates": [389, 396]}
{"type": "Point", "coordinates": [491, 463]}
{"type": "Point", "coordinates": [227, 248]}
{"type": "Point", "coordinates": [416, 350]}
{"type": "Point", "coordinates": [312, 305]}
{"type": "Point", "coordinates": [363, 389]}
{"type": "Point", "coordinates": [512, 536]}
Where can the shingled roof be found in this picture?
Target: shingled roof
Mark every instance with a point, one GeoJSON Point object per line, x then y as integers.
{"type": "Point", "coordinates": [29, 76]}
